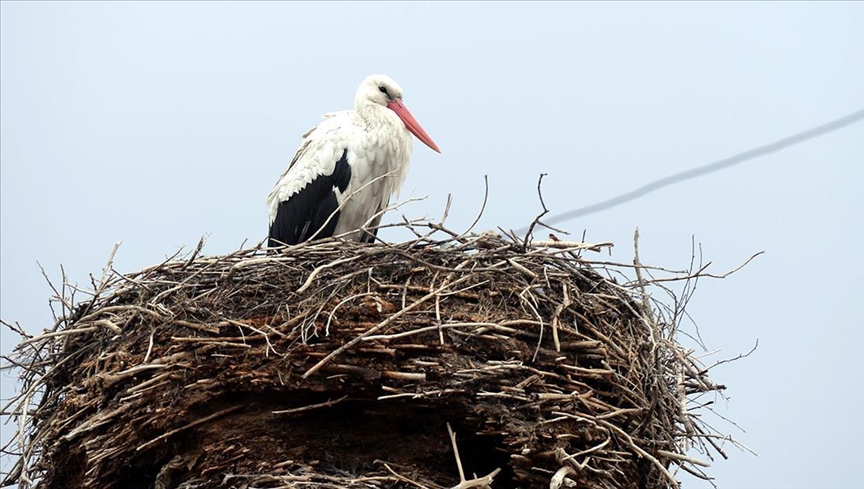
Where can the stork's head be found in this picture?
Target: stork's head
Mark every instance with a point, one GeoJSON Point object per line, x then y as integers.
{"type": "Point", "coordinates": [383, 91]}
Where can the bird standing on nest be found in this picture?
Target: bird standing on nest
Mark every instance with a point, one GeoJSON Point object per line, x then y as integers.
{"type": "Point", "coordinates": [346, 169]}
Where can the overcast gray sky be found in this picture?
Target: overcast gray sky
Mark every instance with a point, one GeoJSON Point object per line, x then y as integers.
{"type": "Point", "coordinates": [156, 123]}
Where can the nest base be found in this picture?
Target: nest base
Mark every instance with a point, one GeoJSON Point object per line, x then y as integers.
{"type": "Point", "coordinates": [338, 364]}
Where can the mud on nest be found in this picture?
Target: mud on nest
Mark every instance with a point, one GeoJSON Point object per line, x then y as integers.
{"type": "Point", "coordinates": [337, 364]}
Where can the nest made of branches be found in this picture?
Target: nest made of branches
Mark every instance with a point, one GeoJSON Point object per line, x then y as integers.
{"type": "Point", "coordinates": [341, 364]}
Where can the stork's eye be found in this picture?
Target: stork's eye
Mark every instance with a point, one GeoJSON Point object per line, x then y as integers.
{"type": "Point", "coordinates": [383, 90]}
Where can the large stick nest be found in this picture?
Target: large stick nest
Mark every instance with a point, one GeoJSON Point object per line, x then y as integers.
{"type": "Point", "coordinates": [339, 364]}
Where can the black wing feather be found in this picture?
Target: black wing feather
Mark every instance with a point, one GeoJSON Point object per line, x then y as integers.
{"type": "Point", "coordinates": [299, 217]}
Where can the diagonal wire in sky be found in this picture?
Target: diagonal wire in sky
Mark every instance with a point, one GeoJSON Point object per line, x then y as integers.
{"type": "Point", "coordinates": [767, 149]}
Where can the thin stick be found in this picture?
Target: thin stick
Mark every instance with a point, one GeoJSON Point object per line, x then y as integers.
{"type": "Point", "coordinates": [310, 407]}
{"type": "Point", "coordinates": [485, 481]}
{"type": "Point", "coordinates": [217, 414]}
{"type": "Point", "coordinates": [456, 453]}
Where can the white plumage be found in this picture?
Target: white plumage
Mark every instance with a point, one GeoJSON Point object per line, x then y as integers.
{"type": "Point", "coordinates": [340, 159]}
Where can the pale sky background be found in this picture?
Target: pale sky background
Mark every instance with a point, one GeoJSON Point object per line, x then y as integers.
{"type": "Point", "coordinates": [156, 123]}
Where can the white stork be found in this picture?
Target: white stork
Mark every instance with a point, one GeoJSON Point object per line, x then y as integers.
{"type": "Point", "coordinates": [340, 159]}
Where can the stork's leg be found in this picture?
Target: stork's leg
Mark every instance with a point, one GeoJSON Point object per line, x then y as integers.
{"type": "Point", "coordinates": [372, 230]}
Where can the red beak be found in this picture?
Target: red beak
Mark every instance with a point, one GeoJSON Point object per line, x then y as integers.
{"type": "Point", "coordinates": [411, 123]}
